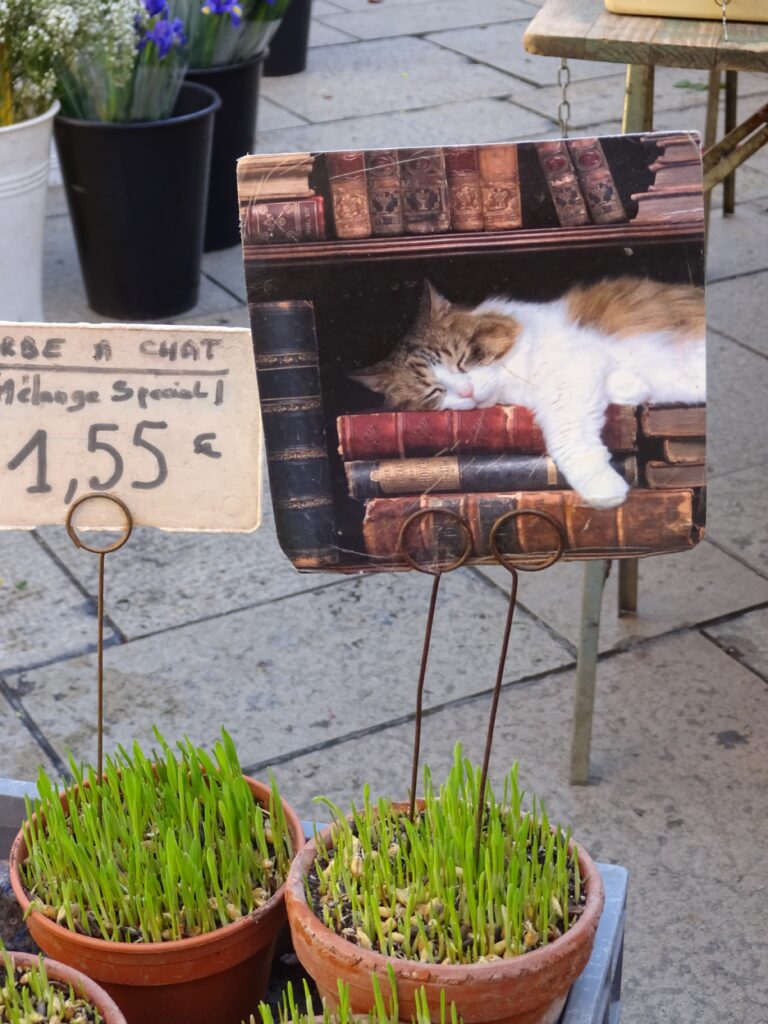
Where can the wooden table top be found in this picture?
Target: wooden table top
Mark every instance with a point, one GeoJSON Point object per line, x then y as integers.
{"type": "Point", "coordinates": [585, 29]}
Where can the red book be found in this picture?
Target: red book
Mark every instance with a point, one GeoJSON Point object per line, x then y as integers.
{"type": "Point", "coordinates": [349, 190]}
{"type": "Point", "coordinates": [501, 428]}
{"type": "Point", "coordinates": [282, 221]}
{"type": "Point", "coordinates": [647, 522]}
{"type": "Point", "coordinates": [463, 173]}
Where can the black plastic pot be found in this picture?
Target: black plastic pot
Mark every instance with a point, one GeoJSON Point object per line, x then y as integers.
{"type": "Point", "coordinates": [288, 48]}
{"type": "Point", "coordinates": [237, 85]}
{"type": "Point", "coordinates": [136, 195]}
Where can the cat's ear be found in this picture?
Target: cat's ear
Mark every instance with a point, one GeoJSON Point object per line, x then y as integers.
{"type": "Point", "coordinates": [495, 335]}
{"type": "Point", "coordinates": [374, 377]}
{"type": "Point", "coordinates": [433, 304]}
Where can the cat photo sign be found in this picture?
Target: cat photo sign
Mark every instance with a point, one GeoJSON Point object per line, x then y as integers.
{"type": "Point", "coordinates": [480, 330]}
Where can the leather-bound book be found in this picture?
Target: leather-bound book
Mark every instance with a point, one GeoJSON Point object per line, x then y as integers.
{"type": "Point", "coordinates": [673, 420]}
{"type": "Point", "coordinates": [285, 347]}
{"type": "Point", "coordinates": [676, 195]}
{"type": "Point", "coordinates": [597, 184]}
{"type": "Point", "coordinates": [385, 194]}
{"type": "Point", "coordinates": [664, 474]}
{"type": "Point", "coordinates": [426, 209]}
{"type": "Point", "coordinates": [500, 187]}
{"type": "Point", "coordinates": [563, 183]}
{"type": "Point", "coordinates": [684, 451]}
{"type": "Point", "coordinates": [290, 220]}
{"type": "Point", "coordinates": [647, 522]}
{"type": "Point", "coordinates": [349, 192]}
{"type": "Point", "coordinates": [262, 177]}
{"type": "Point", "coordinates": [501, 428]}
{"type": "Point", "coordinates": [463, 172]}
{"type": "Point", "coordinates": [472, 473]}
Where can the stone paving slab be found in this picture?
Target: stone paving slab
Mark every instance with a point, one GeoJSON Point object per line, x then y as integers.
{"type": "Point", "coordinates": [678, 737]}
{"type": "Point", "coordinates": [225, 268]}
{"type": "Point", "coordinates": [43, 613]}
{"type": "Point", "coordinates": [736, 515]}
{"type": "Point", "coordinates": [501, 46]}
{"type": "Point", "coordinates": [736, 388]}
{"type": "Point", "coordinates": [236, 316]}
{"type": "Point", "coordinates": [161, 580]}
{"type": "Point", "coordinates": [290, 674]}
{"type": "Point", "coordinates": [732, 311]}
{"type": "Point", "coordinates": [738, 244]}
{"type": "Point", "coordinates": [20, 754]}
{"type": "Point", "coordinates": [746, 640]}
{"type": "Point", "coordinates": [378, 76]}
{"type": "Point", "coordinates": [676, 592]}
{"type": "Point", "coordinates": [478, 121]}
{"type": "Point", "coordinates": [321, 7]}
{"type": "Point", "coordinates": [64, 292]}
{"type": "Point", "coordinates": [270, 116]}
{"type": "Point", "coordinates": [324, 35]}
{"type": "Point", "coordinates": [382, 20]}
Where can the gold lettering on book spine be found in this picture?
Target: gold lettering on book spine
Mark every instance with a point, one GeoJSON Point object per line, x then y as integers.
{"type": "Point", "coordinates": [417, 475]}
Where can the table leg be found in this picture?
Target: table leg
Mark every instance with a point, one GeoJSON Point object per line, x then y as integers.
{"type": "Point", "coordinates": [638, 99]}
{"type": "Point", "coordinates": [729, 185]}
{"type": "Point", "coordinates": [595, 574]}
{"type": "Point", "coordinates": [710, 132]}
{"type": "Point", "coordinates": [629, 574]}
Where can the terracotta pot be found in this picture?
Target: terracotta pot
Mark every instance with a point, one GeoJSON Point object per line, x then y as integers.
{"type": "Point", "coordinates": [219, 977]}
{"type": "Point", "coordinates": [83, 986]}
{"type": "Point", "coordinates": [529, 989]}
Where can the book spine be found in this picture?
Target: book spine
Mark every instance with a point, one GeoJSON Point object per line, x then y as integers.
{"type": "Point", "coordinates": [385, 194]}
{"type": "Point", "coordinates": [665, 475]}
{"type": "Point", "coordinates": [426, 209]}
{"type": "Point", "coordinates": [562, 183]}
{"type": "Point", "coordinates": [500, 187]}
{"type": "Point", "coordinates": [647, 522]}
{"type": "Point", "coordinates": [671, 421]}
{"type": "Point", "coordinates": [471, 473]}
{"type": "Point", "coordinates": [501, 428]}
{"type": "Point", "coordinates": [262, 177]}
{"type": "Point", "coordinates": [349, 193]}
{"type": "Point", "coordinates": [285, 346]}
{"type": "Point", "coordinates": [596, 181]}
{"type": "Point", "coordinates": [278, 223]}
{"type": "Point", "coordinates": [464, 194]}
{"type": "Point", "coordinates": [689, 452]}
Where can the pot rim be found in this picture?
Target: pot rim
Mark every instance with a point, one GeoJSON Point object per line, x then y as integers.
{"type": "Point", "coordinates": [213, 105]}
{"type": "Point", "coordinates": [219, 69]}
{"type": "Point", "coordinates": [585, 926]}
{"type": "Point", "coordinates": [32, 122]}
{"type": "Point", "coordinates": [229, 933]}
{"type": "Point", "coordinates": [90, 989]}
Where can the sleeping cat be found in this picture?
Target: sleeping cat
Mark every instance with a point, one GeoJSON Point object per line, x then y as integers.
{"type": "Point", "coordinates": [627, 340]}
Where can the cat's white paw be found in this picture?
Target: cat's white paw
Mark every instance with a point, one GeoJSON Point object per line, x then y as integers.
{"type": "Point", "coordinates": [605, 490]}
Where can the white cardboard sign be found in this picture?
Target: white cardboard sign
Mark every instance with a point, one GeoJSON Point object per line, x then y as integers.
{"type": "Point", "coordinates": [165, 418]}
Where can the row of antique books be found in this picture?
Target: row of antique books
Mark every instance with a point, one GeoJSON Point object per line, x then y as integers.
{"type": "Point", "coordinates": [387, 192]}
{"type": "Point", "coordinates": [481, 462]}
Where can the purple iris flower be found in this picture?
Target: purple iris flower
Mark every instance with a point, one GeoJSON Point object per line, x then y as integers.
{"type": "Point", "coordinates": [165, 35]}
{"type": "Point", "coordinates": [154, 7]}
{"type": "Point", "coordinates": [230, 7]}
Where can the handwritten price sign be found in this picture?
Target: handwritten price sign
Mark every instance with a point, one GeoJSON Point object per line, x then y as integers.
{"type": "Point", "coordinates": [166, 418]}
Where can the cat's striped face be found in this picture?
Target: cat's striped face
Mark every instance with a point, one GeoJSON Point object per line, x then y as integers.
{"type": "Point", "coordinates": [450, 359]}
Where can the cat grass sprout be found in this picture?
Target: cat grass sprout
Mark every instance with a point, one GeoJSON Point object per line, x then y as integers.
{"type": "Point", "coordinates": [290, 1012]}
{"type": "Point", "coordinates": [28, 996]}
{"type": "Point", "coordinates": [166, 847]}
{"type": "Point", "coordinates": [416, 891]}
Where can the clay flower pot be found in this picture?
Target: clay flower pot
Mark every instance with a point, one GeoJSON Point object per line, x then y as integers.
{"type": "Point", "coordinates": [528, 989]}
{"type": "Point", "coordinates": [220, 976]}
{"type": "Point", "coordinates": [83, 986]}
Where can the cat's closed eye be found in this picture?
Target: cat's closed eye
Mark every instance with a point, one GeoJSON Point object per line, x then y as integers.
{"type": "Point", "coordinates": [462, 365]}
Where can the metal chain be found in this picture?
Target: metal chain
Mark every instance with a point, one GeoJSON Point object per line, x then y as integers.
{"type": "Point", "coordinates": [724, 4]}
{"type": "Point", "coordinates": [564, 110]}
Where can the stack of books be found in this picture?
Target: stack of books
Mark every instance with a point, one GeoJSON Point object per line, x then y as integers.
{"type": "Point", "coordinates": [277, 202]}
{"type": "Point", "coordinates": [482, 463]}
{"type": "Point", "coordinates": [674, 437]}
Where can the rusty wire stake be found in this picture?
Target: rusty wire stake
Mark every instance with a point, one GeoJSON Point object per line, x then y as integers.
{"type": "Point", "coordinates": [102, 553]}
{"type": "Point", "coordinates": [531, 563]}
{"type": "Point", "coordinates": [436, 571]}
